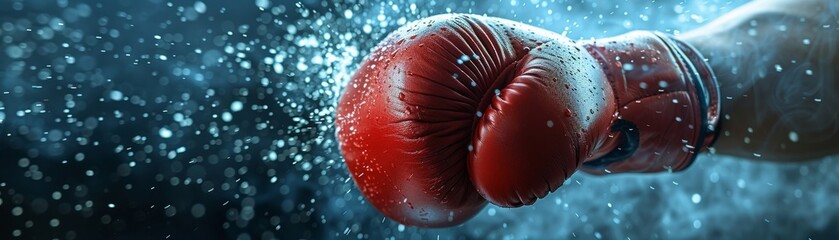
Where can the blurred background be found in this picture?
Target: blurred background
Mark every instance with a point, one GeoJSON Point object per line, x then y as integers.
{"type": "Point", "coordinates": [137, 119]}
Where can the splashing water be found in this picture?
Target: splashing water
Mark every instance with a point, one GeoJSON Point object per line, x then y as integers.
{"type": "Point", "coordinates": [215, 119]}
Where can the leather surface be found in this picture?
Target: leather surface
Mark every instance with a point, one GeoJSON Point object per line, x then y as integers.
{"type": "Point", "coordinates": [662, 91]}
{"type": "Point", "coordinates": [453, 111]}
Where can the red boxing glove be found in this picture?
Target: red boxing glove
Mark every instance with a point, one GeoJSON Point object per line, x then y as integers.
{"type": "Point", "coordinates": [454, 110]}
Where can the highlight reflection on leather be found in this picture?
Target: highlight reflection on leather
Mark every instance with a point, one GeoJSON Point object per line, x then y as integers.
{"type": "Point", "coordinates": [455, 110]}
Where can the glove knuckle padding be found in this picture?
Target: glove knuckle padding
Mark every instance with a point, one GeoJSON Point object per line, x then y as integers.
{"type": "Point", "coordinates": [422, 94]}
{"type": "Point", "coordinates": [534, 133]}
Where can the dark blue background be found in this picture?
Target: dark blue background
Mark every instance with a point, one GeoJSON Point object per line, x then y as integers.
{"type": "Point", "coordinates": [201, 120]}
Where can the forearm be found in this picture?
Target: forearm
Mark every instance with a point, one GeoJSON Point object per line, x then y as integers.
{"type": "Point", "coordinates": [776, 64]}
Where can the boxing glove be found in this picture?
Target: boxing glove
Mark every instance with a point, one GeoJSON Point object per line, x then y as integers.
{"type": "Point", "coordinates": [452, 111]}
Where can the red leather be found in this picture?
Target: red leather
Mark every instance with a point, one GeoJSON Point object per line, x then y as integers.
{"type": "Point", "coordinates": [669, 93]}
{"type": "Point", "coordinates": [453, 111]}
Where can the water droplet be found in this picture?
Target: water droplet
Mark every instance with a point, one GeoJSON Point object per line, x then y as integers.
{"type": "Point", "coordinates": [165, 132]}
{"type": "Point", "coordinates": [662, 84]}
{"type": "Point", "coordinates": [793, 136]}
{"type": "Point", "coordinates": [116, 95]}
{"type": "Point", "coordinates": [236, 106]}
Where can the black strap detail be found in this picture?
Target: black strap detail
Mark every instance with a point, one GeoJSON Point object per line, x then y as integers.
{"type": "Point", "coordinates": [678, 49]}
{"type": "Point", "coordinates": [629, 138]}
